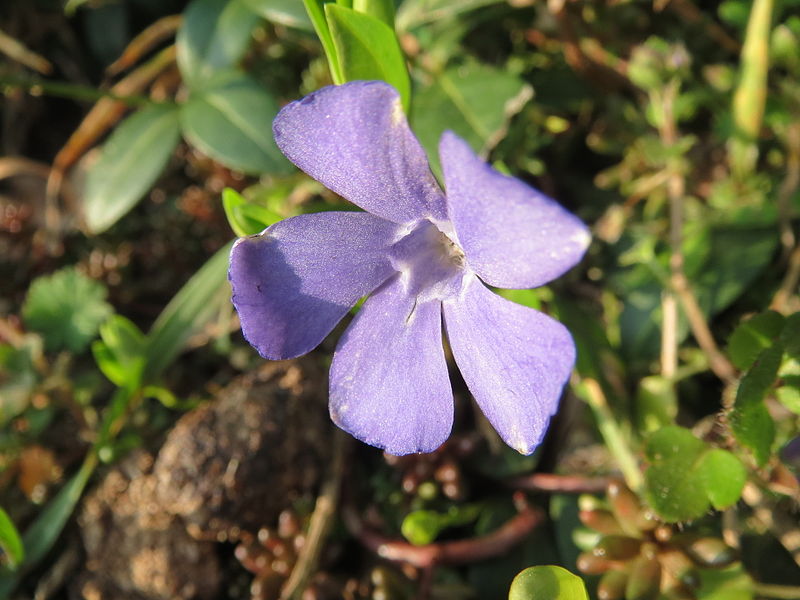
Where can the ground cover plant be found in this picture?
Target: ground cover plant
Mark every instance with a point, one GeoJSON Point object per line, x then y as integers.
{"type": "Point", "coordinates": [541, 256]}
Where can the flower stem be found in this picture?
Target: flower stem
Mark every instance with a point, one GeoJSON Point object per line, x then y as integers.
{"type": "Point", "coordinates": [591, 392]}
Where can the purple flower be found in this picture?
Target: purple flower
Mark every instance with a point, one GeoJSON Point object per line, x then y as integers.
{"type": "Point", "coordinates": [423, 258]}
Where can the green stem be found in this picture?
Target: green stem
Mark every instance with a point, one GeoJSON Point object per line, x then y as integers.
{"type": "Point", "coordinates": [592, 394]}
{"type": "Point", "coordinates": [72, 91]}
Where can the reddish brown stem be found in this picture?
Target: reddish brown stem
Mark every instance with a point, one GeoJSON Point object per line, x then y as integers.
{"type": "Point", "coordinates": [457, 552]}
{"type": "Point", "coordinates": [559, 484]}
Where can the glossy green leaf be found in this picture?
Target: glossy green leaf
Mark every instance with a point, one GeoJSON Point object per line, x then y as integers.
{"type": "Point", "coordinates": [750, 420]}
{"type": "Point", "coordinates": [316, 13]}
{"type": "Point", "coordinates": [474, 101]}
{"type": "Point", "coordinates": [192, 308]}
{"type": "Point", "coordinates": [129, 164]}
{"type": "Point", "coordinates": [290, 13]}
{"type": "Point", "coordinates": [67, 308]}
{"type": "Point", "coordinates": [10, 540]}
{"type": "Point", "coordinates": [750, 338]}
{"type": "Point", "coordinates": [231, 121]}
{"type": "Point", "coordinates": [368, 49]}
{"type": "Point", "coordinates": [213, 37]}
{"type": "Point", "coordinates": [686, 475]}
{"type": "Point", "coordinates": [547, 582]}
{"type": "Point", "coordinates": [246, 218]}
{"type": "Point", "coordinates": [383, 10]}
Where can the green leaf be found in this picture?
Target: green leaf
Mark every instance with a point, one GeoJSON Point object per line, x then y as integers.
{"type": "Point", "coordinates": [723, 476]}
{"type": "Point", "coordinates": [10, 541]}
{"type": "Point", "coordinates": [67, 308]}
{"type": "Point", "coordinates": [39, 538]}
{"type": "Point", "coordinates": [213, 37]}
{"type": "Point", "coordinates": [750, 420]}
{"type": "Point", "coordinates": [750, 338]}
{"type": "Point", "coordinates": [316, 12]}
{"type": "Point", "coordinates": [121, 355]}
{"type": "Point", "coordinates": [421, 527]}
{"type": "Point", "coordinates": [790, 336]}
{"type": "Point", "coordinates": [130, 162]}
{"type": "Point", "coordinates": [656, 403]}
{"type": "Point", "coordinates": [547, 582]}
{"type": "Point", "coordinates": [17, 377]}
{"type": "Point", "coordinates": [290, 13]}
{"type": "Point", "coordinates": [474, 101]}
{"type": "Point", "coordinates": [383, 10]}
{"type": "Point", "coordinates": [244, 217]}
{"type": "Point", "coordinates": [789, 396]}
{"type": "Point", "coordinates": [231, 121]}
{"type": "Point", "coordinates": [686, 475]}
{"type": "Point", "coordinates": [368, 49]}
{"type": "Point", "coordinates": [192, 308]}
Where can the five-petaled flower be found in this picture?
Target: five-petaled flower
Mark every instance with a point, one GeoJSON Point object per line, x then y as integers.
{"type": "Point", "coordinates": [423, 259]}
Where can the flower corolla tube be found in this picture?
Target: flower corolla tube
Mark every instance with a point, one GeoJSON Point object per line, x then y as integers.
{"type": "Point", "coordinates": [423, 258]}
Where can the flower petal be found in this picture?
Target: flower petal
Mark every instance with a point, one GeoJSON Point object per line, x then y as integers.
{"type": "Point", "coordinates": [515, 361]}
{"type": "Point", "coordinates": [296, 280]}
{"type": "Point", "coordinates": [389, 382]}
{"type": "Point", "coordinates": [354, 138]}
{"type": "Point", "coordinates": [513, 235]}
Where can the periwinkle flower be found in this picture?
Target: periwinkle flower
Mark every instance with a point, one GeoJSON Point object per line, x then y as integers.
{"type": "Point", "coordinates": [422, 258]}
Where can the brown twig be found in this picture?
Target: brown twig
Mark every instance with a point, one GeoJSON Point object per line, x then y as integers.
{"type": "Point", "coordinates": [20, 53]}
{"type": "Point", "coordinates": [689, 12]}
{"type": "Point", "coordinates": [559, 484]}
{"type": "Point", "coordinates": [144, 42]}
{"type": "Point", "coordinates": [458, 552]}
{"type": "Point", "coordinates": [788, 187]}
{"type": "Point", "coordinates": [679, 283]}
{"type": "Point", "coordinates": [320, 525]}
{"type": "Point", "coordinates": [789, 284]}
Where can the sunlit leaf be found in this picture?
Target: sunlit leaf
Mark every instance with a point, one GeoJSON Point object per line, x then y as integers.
{"type": "Point", "coordinates": [368, 49]}
{"type": "Point", "coordinates": [750, 420]}
{"type": "Point", "coordinates": [751, 337]}
{"type": "Point", "coordinates": [547, 582]}
{"type": "Point", "coordinates": [686, 475]}
{"type": "Point", "coordinates": [10, 540]}
{"type": "Point", "coordinates": [244, 217]}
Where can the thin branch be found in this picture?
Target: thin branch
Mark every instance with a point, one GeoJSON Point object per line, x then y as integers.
{"type": "Point", "coordinates": [679, 284]}
{"type": "Point", "coordinates": [789, 284]}
{"type": "Point", "coordinates": [559, 484]}
{"type": "Point", "coordinates": [458, 552]}
{"type": "Point", "coordinates": [17, 51]}
{"type": "Point", "coordinates": [788, 187]}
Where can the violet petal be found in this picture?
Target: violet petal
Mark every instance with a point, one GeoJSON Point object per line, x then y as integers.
{"type": "Point", "coordinates": [389, 385]}
{"type": "Point", "coordinates": [297, 279]}
{"type": "Point", "coordinates": [354, 138]}
{"type": "Point", "coordinates": [513, 235]}
{"type": "Point", "coordinates": [515, 361]}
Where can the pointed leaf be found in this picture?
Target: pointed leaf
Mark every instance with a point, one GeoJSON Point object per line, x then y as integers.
{"type": "Point", "coordinates": [189, 311]}
{"type": "Point", "coordinates": [752, 336]}
{"type": "Point", "coordinates": [10, 541]}
{"type": "Point", "coordinates": [130, 162]}
{"type": "Point", "coordinates": [290, 13]}
{"type": "Point", "coordinates": [750, 420]}
{"type": "Point", "coordinates": [316, 13]}
{"type": "Point", "coordinates": [368, 49]}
